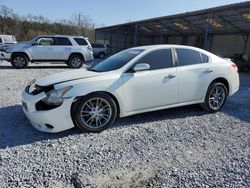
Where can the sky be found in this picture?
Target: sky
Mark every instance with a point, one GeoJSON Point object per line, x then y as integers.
{"type": "Point", "coordinates": [109, 12]}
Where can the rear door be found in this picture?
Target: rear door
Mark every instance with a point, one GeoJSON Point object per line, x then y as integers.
{"type": "Point", "coordinates": [62, 48]}
{"type": "Point", "coordinates": [194, 74]}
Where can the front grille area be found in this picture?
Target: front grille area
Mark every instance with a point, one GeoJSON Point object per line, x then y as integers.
{"type": "Point", "coordinates": [25, 107]}
{"type": "Point", "coordinates": [40, 106]}
{"type": "Point", "coordinates": [40, 89]}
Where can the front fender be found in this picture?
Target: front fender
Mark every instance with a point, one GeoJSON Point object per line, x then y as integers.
{"type": "Point", "coordinates": [84, 87]}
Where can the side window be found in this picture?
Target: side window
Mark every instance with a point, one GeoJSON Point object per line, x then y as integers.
{"type": "Point", "coordinates": [1, 41]}
{"type": "Point", "coordinates": [45, 41]}
{"type": "Point", "coordinates": [158, 59]}
{"type": "Point", "coordinates": [205, 58]}
{"type": "Point", "coordinates": [63, 41]}
{"type": "Point", "coordinates": [188, 57]}
{"type": "Point", "coordinates": [97, 46]}
{"type": "Point", "coordinates": [81, 41]}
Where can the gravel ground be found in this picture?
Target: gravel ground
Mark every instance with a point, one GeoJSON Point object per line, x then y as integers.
{"type": "Point", "coordinates": [180, 147]}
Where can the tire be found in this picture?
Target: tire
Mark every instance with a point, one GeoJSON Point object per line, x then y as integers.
{"type": "Point", "coordinates": [101, 55]}
{"type": "Point", "coordinates": [75, 61]}
{"type": "Point", "coordinates": [216, 97]}
{"type": "Point", "coordinates": [19, 61]}
{"type": "Point", "coordinates": [87, 117]}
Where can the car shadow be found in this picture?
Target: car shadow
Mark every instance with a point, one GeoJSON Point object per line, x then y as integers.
{"type": "Point", "coordinates": [37, 67]}
{"type": "Point", "coordinates": [15, 129]}
{"type": "Point", "coordinates": [238, 105]}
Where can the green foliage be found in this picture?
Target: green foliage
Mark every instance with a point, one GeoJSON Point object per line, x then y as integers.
{"type": "Point", "coordinates": [26, 28]}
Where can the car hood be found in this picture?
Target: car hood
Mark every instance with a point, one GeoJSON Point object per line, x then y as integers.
{"type": "Point", "coordinates": [12, 47]}
{"type": "Point", "coordinates": [67, 76]}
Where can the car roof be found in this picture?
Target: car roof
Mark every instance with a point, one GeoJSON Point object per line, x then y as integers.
{"type": "Point", "coordinates": [165, 46]}
{"type": "Point", "coordinates": [159, 46]}
{"type": "Point", "coordinates": [61, 36]}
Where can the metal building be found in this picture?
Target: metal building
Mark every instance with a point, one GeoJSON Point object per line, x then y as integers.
{"type": "Point", "coordinates": [223, 30]}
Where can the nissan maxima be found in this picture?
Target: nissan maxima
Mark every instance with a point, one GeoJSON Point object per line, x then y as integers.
{"type": "Point", "coordinates": [136, 80]}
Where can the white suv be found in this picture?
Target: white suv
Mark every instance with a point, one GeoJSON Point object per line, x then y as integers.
{"type": "Point", "coordinates": [73, 50]}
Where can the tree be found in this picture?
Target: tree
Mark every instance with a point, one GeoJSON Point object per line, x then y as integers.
{"type": "Point", "coordinates": [5, 13]}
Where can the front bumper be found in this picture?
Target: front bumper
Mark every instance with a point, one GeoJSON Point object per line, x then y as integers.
{"type": "Point", "coordinates": [58, 119]}
{"type": "Point", "coordinates": [5, 56]}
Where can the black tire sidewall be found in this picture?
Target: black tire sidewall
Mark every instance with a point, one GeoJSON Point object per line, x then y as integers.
{"type": "Point", "coordinates": [71, 58]}
{"type": "Point", "coordinates": [77, 109]}
{"type": "Point", "coordinates": [19, 55]}
{"type": "Point", "coordinates": [206, 104]}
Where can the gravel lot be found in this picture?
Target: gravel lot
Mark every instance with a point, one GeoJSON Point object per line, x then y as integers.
{"type": "Point", "coordinates": [181, 147]}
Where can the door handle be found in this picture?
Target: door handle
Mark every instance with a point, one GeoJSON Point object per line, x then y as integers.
{"type": "Point", "coordinates": [208, 71]}
{"type": "Point", "coordinates": [170, 76]}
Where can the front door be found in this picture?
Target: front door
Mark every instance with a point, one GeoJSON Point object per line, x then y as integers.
{"type": "Point", "coordinates": [42, 49]}
{"type": "Point", "coordinates": [151, 88]}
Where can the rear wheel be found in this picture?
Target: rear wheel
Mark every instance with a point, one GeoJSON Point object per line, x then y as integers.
{"type": "Point", "coordinates": [75, 61]}
{"type": "Point", "coordinates": [19, 61]}
{"type": "Point", "coordinates": [95, 112]}
{"type": "Point", "coordinates": [215, 98]}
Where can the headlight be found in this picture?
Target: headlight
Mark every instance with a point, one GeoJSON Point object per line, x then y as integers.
{"type": "Point", "coordinates": [55, 97]}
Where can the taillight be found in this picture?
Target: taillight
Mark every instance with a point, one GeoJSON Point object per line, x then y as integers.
{"type": "Point", "coordinates": [5, 47]}
{"type": "Point", "coordinates": [90, 48]}
{"type": "Point", "coordinates": [14, 39]}
{"type": "Point", "coordinates": [235, 67]}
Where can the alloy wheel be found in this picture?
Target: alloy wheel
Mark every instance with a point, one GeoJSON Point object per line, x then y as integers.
{"type": "Point", "coordinates": [217, 97]}
{"type": "Point", "coordinates": [96, 113]}
{"type": "Point", "coordinates": [76, 62]}
{"type": "Point", "coordinates": [19, 61]}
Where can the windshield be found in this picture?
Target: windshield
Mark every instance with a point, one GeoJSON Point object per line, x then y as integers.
{"type": "Point", "coordinates": [116, 61]}
{"type": "Point", "coordinates": [33, 40]}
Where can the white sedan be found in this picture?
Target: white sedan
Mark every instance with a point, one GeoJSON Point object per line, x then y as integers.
{"type": "Point", "coordinates": [133, 81]}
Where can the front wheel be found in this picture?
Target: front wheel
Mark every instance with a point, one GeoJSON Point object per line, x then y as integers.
{"type": "Point", "coordinates": [19, 61]}
{"type": "Point", "coordinates": [95, 112]}
{"type": "Point", "coordinates": [75, 61]}
{"type": "Point", "coordinates": [215, 98]}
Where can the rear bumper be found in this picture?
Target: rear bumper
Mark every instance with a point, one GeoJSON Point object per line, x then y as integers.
{"type": "Point", "coordinates": [89, 57]}
{"type": "Point", "coordinates": [235, 83]}
{"type": "Point", "coordinates": [50, 121]}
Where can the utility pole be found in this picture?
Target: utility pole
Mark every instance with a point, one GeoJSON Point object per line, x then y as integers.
{"type": "Point", "coordinates": [79, 24]}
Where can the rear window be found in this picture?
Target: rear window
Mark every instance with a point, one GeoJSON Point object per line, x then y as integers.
{"type": "Point", "coordinates": [188, 57]}
{"type": "Point", "coordinates": [81, 41]}
{"type": "Point", "coordinates": [205, 58]}
{"type": "Point", "coordinates": [63, 41]}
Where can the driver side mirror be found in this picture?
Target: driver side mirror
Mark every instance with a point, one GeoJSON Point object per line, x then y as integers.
{"type": "Point", "coordinates": [35, 44]}
{"type": "Point", "coordinates": [141, 67]}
